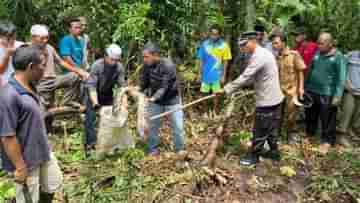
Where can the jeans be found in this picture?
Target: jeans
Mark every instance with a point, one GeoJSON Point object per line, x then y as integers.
{"type": "Point", "coordinates": [177, 125]}
{"type": "Point", "coordinates": [90, 123]}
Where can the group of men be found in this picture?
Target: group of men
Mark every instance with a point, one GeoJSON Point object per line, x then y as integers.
{"type": "Point", "coordinates": [28, 82]}
{"type": "Point", "coordinates": [311, 76]}
{"type": "Point", "coordinates": [282, 78]}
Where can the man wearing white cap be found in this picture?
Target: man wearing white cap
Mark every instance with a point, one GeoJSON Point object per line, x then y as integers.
{"type": "Point", "coordinates": [106, 74]}
{"type": "Point", "coordinates": [50, 82]}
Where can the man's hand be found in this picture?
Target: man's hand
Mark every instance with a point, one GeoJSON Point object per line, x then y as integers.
{"type": "Point", "coordinates": [21, 174]}
{"type": "Point", "coordinates": [10, 51]}
{"type": "Point", "coordinates": [96, 106]}
{"type": "Point", "coordinates": [83, 74]}
{"type": "Point", "coordinates": [336, 101]}
{"type": "Point", "coordinates": [152, 99]}
{"type": "Point", "coordinates": [133, 88]}
{"type": "Point", "coordinates": [301, 93]}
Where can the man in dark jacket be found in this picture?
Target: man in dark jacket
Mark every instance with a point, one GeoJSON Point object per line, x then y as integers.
{"type": "Point", "coordinates": [159, 84]}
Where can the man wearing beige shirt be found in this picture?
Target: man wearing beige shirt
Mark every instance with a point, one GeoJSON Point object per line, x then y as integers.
{"type": "Point", "coordinates": [291, 69]}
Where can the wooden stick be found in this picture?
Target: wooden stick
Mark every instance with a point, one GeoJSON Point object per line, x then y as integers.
{"type": "Point", "coordinates": [183, 107]}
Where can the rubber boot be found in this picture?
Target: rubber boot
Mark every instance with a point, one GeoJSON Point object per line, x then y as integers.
{"type": "Point", "coordinates": [273, 153]}
{"type": "Point", "coordinates": [291, 138]}
{"type": "Point", "coordinates": [46, 197]}
{"type": "Point", "coordinates": [250, 159]}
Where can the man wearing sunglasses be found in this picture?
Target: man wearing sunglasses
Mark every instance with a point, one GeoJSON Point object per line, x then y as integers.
{"type": "Point", "coordinates": [106, 74]}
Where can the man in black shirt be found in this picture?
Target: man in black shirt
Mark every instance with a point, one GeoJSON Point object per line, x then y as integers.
{"type": "Point", "coordinates": [159, 84]}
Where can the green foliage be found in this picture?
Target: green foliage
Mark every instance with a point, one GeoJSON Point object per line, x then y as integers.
{"type": "Point", "coordinates": [7, 191]}
{"type": "Point", "coordinates": [133, 23]}
{"type": "Point", "coordinates": [4, 14]}
{"type": "Point", "coordinates": [337, 17]}
{"type": "Point", "coordinates": [236, 139]}
{"type": "Point", "coordinates": [340, 178]}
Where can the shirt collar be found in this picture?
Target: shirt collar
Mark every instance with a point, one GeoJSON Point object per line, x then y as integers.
{"type": "Point", "coordinates": [21, 89]}
{"type": "Point", "coordinates": [218, 42]}
{"type": "Point", "coordinates": [285, 52]}
{"type": "Point", "coordinates": [332, 52]}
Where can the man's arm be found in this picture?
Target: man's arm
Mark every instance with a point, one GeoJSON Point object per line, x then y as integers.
{"type": "Point", "coordinates": [226, 58]}
{"type": "Point", "coordinates": [299, 68]}
{"type": "Point", "coordinates": [9, 109]}
{"type": "Point", "coordinates": [256, 64]}
{"type": "Point", "coordinates": [69, 64]}
{"type": "Point", "coordinates": [91, 85]}
{"type": "Point", "coordinates": [13, 150]}
{"type": "Point", "coordinates": [70, 67]}
{"type": "Point", "coordinates": [341, 76]}
{"type": "Point", "coordinates": [5, 59]}
{"type": "Point", "coordinates": [121, 79]}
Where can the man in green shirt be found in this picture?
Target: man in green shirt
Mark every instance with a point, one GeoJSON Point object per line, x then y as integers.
{"type": "Point", "coordinates": [325, 83]}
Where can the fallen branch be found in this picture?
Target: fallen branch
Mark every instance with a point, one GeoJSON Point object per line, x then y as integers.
{"type": "Point", "coordinates": [183, 107]}
{"type": "Point", "coordinates": [220, 135]}
{"type": "Point", "coordinates": [59, 111]}
{"type": "Point", "coordinates": [215, 175]}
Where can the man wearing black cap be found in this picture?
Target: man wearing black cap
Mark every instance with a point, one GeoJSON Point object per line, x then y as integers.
{"type": "Point", "coordinates": [307, 49]}
{"type": "Point", "coordinates": [263, 70]}
{"type": "Point", "coordinates": [261, 37]}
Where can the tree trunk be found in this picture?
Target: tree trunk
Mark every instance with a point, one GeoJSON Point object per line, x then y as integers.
{"type": "Point", "coordinates": [250, 15]}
